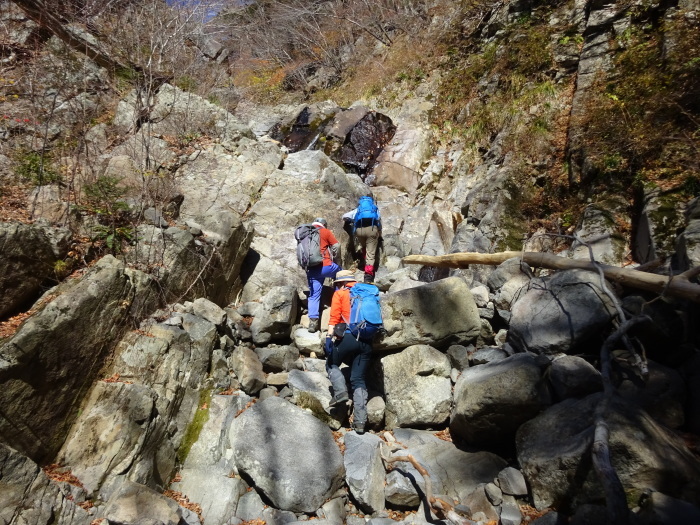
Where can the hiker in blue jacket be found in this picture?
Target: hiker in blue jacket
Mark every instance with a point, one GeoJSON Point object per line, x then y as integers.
{"type": "Point", "coordinates": [367, 228]}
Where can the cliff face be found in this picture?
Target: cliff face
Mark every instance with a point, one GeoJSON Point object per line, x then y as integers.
{"type": "Point", "coordinates": [160, 346]}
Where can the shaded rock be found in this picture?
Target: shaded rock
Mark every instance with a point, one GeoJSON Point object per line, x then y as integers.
{"type": "Point", "coordinates": [273, 464]}
{"type": "Point", "coordinates": [657, 508]}
{"type": "Point", "coordinates": [459, 356]}
{"type": "Point", "coordinates": [437, 314]}
{"type": "Point", "coordinates": [572, 311]}
{"type": "Point", "coordinates": [27, 495]}
{"type": "Point", "coordinates": [573, 376]}
{"type": "Point", "coordinates": [417, 387]}
{"type": "Point", "coordinates": [278, 358]}
{"type": "Point", "coordinates": [36, 420]}
{"type": "Point", "coordinates": [28, 253]}
{"type": "Point", "coordinates": [661, 394]}
{"type": "Point", "coordinates": [364, 142]}
{"type": "Point", "coordinates": [554, 453]}
{"type": "Point", "coordinates": [491, 401]}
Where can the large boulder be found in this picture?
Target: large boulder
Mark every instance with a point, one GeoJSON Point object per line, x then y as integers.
{"type": "Point", "coordinates": [108, 437]}
{"type": "Point", "coordinates": [572, 311]}
{"type": "Point", "coordinates": [364, 471]}
{"type": "Point", "coordinates": [437, 314]}
{"type": "Point", "coordinates": [28, 253]}
{"type": "Point", "coordinates": [417, 387]}
{"type": "Point", "coordinates": [272, 463]}
{"type": "Point", "coordinates": [554, 453]}
{"type": "Point", "coordinates": [491, 401]}
{"type": "Point", "coordinates": [48, 366]}
{"type": "Point", "coordinates": [277, 315]}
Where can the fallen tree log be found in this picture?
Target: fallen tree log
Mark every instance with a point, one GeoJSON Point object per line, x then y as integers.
{"type": "Point", "coordinates": [678, 286]}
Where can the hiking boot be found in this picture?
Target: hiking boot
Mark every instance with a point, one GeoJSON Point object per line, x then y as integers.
{"type": "Point", "coordinates": [339, 399]}
{"type": "Point", "coordinates": [359, 428]}
{"type": "Point", "coordinates": [313, 325]}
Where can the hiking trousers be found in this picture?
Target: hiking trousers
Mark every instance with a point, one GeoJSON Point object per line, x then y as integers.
{"type": "Point", "coordinates": [356, 354]}
{"type": "Point", "coordinates": [315, 276]}
{"type": "Point", "coordinates": [369, 240]}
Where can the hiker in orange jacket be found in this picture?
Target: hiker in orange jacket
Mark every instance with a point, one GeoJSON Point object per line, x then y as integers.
{"type": "Point", "coordinates": [349, 350]}
{"type": "Point", "coordinates": [315, 275]}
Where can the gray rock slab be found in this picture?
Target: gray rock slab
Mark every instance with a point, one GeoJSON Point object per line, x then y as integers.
{"type": "Point", "coordinates": [364, 470]}
{"type": "Point", "coordinates": [273, 463]}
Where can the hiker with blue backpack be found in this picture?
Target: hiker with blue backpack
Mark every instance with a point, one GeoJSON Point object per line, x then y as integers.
{"type": "Point", "coordinates": [366, 226]}
{"type": "Point", "coordinates": [317, 250]}
{"type": "Point", "coordinates": [355, 319]}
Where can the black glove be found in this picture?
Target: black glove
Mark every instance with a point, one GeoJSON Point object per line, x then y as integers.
{"type": "Point", "coordinates": [328, 346]}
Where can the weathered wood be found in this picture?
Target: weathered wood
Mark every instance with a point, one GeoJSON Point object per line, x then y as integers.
{"type": "Point", "coordinates": [677, 286]}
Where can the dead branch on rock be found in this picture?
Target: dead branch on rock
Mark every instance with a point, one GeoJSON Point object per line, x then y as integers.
{"type": "Point", "coordinates": [616, 502]}
{"type": "Point", "coordinates": [678, 286]}
{"type": "Point", "coordinates": [439, 507]}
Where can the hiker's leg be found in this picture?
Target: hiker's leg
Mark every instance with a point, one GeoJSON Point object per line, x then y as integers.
{"type": "Point", "coordinates": [329, 271]}
{"type": "Point", "coordinates": [361, 352]}
{"type": "Point", "coordinates": [315, 287]}
{"type": "Point", "coordinates": [359, 409]}
{"type": "Point", "coordinates": [363, 235]}
{"type": "Point", "coordinates": [342, 353]}
{"type": "Point", "coordinates": [372, 242]}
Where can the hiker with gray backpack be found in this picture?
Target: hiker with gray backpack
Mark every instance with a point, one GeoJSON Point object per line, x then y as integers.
{"type": "Point", "coordinates": [366, 226]}
{"type": "Point", "coordinates": [317, 250]}
{"type": "Point", "coordinates": [355, 319]}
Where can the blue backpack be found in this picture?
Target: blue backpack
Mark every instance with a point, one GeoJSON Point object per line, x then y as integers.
{"type": "Point", "coordinates": [365, 311]}
{"type": "Point", "coordinates": [366, 211]}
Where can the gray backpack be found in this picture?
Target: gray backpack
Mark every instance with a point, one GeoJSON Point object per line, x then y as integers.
{"type": "Point", "coordinates": [308, 246]}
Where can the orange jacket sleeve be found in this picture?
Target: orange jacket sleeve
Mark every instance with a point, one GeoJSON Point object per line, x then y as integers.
{"type": "Point", "coordinates": [340, 307]}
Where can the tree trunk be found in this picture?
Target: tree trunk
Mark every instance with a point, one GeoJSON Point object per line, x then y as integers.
{"type": "Point", "coordinates": [677, 286]}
